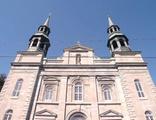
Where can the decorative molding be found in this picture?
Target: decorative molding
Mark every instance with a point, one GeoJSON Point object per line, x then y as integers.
{"type": "Point", "coordinates": [75, 111]}
{"type": "Point", "coordinates": [78, 103]}
{"type": "Point", "coordinates": [131, 64]}
{"type": "Point", "coordinates": [78, 48]}
{"type": "Point", "coordinates": [111, 113]}
{"type": "Point", "coordinates": [32, 64]}
{"type": "Point", "coordinates": [50, 78]}
{"type": "Point", "coordinates": [109, 103]}
{"type": "Point", "coordinates": [126, 53]}
{"type": "Point", "coordinates": [105, 77]}
{"type": "Point", "coordinates": [46, 113]}
{"type": "Point", "coordinates": [128, 100]}
{"type": "Point", "coordinates": [14, 97]}
{"type": "Point", "coordinates": [47, 103]}
{"type": "Point", "coordinates": [142, 98]}
{"type": "Point", "coordinates": [29, 52]}
{"type": "Point", "coordinates": [67, 66]}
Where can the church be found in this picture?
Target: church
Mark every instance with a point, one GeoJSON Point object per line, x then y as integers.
{"type": "Point", "coordinates": [78, 85]}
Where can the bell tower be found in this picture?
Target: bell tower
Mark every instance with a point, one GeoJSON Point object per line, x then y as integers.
{"type": "Point", "coordinates": [40, 41]}
{"type": "Point", "coordinates": [20, 86]}
{"type": "Point", "coordinates": [117, 40]}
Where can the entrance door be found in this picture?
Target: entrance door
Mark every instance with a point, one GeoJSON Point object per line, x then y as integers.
{"type": "Point", "coordinates": [78, 116]}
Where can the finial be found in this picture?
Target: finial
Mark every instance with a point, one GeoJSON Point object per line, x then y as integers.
{"type": "Point", "coordinates": [46, 23]}
{"type": "Point", "coordinates": [110, 23]}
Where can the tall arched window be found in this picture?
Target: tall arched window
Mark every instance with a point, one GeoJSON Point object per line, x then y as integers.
{"type": "Point", "coordinates": [78, 59]}
{"type": "Point", "coordinates": [8, 115]}
{"type": "Point", "coordinates": [106, 93]}
{"type": "Point", "coordinates": [111, 30]}
{"type": "Point", "coordinates": [148, 115]}
{"type": "Point", "coordinates": [78, 116]}
{"type": "Point", "coordinates": [42, 29]}
{"type": "Point", "coordinates": [139, 88]}
{"type": "Point", "coordinates": [35, 42]}
{"type": "Point", "coordinates": [78, 93]}
{"type": "Point", "coordinates": [17, 88]}
{"type": "Point", "coordinates": [48, 93]}
{"type": "Point", "coordinates": [114, 44]}
{"type": "Point", "coordinates": [122, 42]}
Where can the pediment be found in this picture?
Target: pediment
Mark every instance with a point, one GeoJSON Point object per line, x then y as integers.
{"type": "Point", "coordinates": [46, 113]}
{"type": "Point", "coordinates": [78, 47]}
{"type": "Point", "coordinates": [111, 113]}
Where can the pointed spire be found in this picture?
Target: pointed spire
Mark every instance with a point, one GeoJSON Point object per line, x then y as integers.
{"type": "Point", "coordinates": [110, 22]}
{"type": "Point", "coordinates": [46, 23]}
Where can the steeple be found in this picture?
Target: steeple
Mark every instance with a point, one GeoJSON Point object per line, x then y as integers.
{"type": "Point", "coordinates": [40, 41]}
{"type": "Point", "coordinates": [117, 40]}
{"type": "Point", "coordinates": [45, 27]}
{"type": "Point", "coordinates": [112, 27]}
{"type": "Point", "coordinates": [46, 23]}
{"type": "Point", "coordinates": [110, 21]}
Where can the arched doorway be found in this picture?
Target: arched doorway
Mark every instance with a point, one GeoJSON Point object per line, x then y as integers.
{"type": "Point", "coordinates": [78, 116]}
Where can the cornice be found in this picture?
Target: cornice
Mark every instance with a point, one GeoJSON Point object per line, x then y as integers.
{"type": "Point", "coordinates": [29, 52]}
{"type": "Point", "coordinates": [109, 103]}
{"type": "Point", "coordinates": [131, 64]}
{"type": "Point", "coordinates": [78, 103]}
{"type": "Point", "coordinates": [126, 52]}
{"type": "Point", "coordinates": [67, 66]}
{"type": "Point", "coordinates": [32, 64]}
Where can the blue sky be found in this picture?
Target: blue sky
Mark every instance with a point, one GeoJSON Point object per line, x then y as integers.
{"type": "Point", "coordinates": [77, 20]}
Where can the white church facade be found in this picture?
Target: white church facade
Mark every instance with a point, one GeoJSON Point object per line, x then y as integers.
{"type": "Point", "coordinates": [78, 85]}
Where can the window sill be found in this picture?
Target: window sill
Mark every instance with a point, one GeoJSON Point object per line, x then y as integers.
{"type": "Point", "coordinates": [47, 102]}
{"type": "Point", "coordinates": [109, 103]}
{"type": "Point", "coordinates": [143, 98]}
{"type": "Point", "coordinates": [14, 97]}
{"type": "Point", "coordinates": [78, 103]}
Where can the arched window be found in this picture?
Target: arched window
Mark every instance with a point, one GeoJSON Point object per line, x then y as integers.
{"type": "Point", "coordinates": [78, 59]}
{"type": "Point", "coordinates": [78, 93]}
{"type": "Point", "coordinates": [122, 42]}
{"type": "Point", "coordinates": [111, 30]}
{"type": "Point", "coordinates": [115, 29]}
{"type": "Point", "coordinates": [17, 88]}
{"type": "Point", "coordinates": [78, 116]}
{"type": "Point", "coordinates": [47, 93]}
{"type": "Point", "coordinates": [114, 44]}
{"type": "Point", "coordinates": [41, 29]}
{"type": "Point", "coordinates": [106, 93]}
{"type": "Point", "coordinates": [148, 115]}
{"type": "Point", "coordinates": [139, 88]}
{"type": "Point", "coordinates": [8, 115]}
{"type": "Point", "coordinates": [35, 42]}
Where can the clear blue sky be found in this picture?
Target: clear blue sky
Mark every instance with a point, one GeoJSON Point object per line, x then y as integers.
{"type": "Point", "coordinates": [77, 20]}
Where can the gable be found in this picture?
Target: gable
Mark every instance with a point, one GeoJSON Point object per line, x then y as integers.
{"type": "Point", "coordinates": [46, 113]}
{"type": "Point", "coordinates": [111, 113]}
{"type": "Point", "coordinates": [79, 48]}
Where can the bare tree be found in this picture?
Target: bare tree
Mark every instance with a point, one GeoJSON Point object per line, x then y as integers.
{"type": "Point", "coordinates": [2, 79]}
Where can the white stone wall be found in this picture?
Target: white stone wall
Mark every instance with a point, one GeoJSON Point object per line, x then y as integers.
{"type": "Point", "coordinates": [22, 68]}
{"type": "Point", "coordinates": [118, 73]}
{"type": "Point", "coordinates": [19, 104]}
